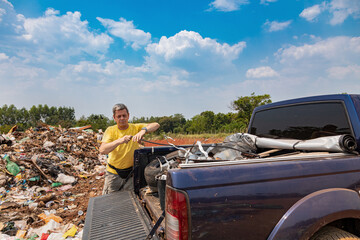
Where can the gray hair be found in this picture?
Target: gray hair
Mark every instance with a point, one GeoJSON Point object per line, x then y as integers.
{"type": "Point", "coordinates": [119, 106]}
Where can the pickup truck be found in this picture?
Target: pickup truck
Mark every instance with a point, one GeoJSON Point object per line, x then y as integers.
{"type": "Point", "coordinates": [294, 175]}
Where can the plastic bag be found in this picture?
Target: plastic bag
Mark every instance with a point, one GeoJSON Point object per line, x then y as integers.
{"type": "Point", "coordinates": [12, 167]}
{"type": "Point", "coordinates": [65, 179]}
{"type": "Point", "coordinates": [47, 218]}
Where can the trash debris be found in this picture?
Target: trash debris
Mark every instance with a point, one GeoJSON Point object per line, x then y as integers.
{"type": "Point", "coordinates": [47, 175]}
{"type": "Point", "coordinates": [71, 232]}
{"type": "Point", "coordinates": [5, 140]}
{"type": "Point", "coordinates": [44, 236]}
{"type": "Point", "coordinates": [21, 234]}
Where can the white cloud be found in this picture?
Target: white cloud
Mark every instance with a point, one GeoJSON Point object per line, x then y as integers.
{"type": "Point", "coordinates": [275, 26]}
{"type": "Point", "coordinates": [51, 11]}
{"type": "Point", "coordinates": [228, 5]}
{"type": "Point", "coordinates": [2, 13]}
{"type": "Point", "coordinates": [261, 72]}
{"type": "Point", "coordinates": [311, 13]}
{"type": "Point", "coordinates": [266, 2]}
{"type": "Point", "coordinates": [64, 34]}
{"type": "Point", "coordinates": [336, 49]}
{"type": "Point", "coordinates": [116, 74]}
{"type": "Point", "coordinates": [100, 73]}
{"type": "Point", "coordinates": [127, 31]}
{"type": "Point", "coordinates": [340, 10]}
{"type": "Point", "coordinates": [9, 22]}
{"type": "Point", "coordinates": [167, 70]}
{"type": "Point", "coordinates": [3, 56]}
{"type": "Point", "coordinates": [192, 44]}
{"type": "Point", "coordinates": [167, 84]}
{"type": "Point", "coordinates": [191, 52]}
{"type": "Point", "coordinates": [347, 72]}
{"type": "Point", "coordinates": [51, 39]}
{"type": "Point", "coordinates": [326, 66]}
{"type": "Point", "coordinates": [17, 77]}
{"type": "Point", "coordinates": [7, 3]}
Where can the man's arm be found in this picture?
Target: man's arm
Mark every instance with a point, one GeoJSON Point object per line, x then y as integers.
{"type": "Point", "coordinates": [151, 127]}
{"type": "Point", "coordinates": [106, 148]}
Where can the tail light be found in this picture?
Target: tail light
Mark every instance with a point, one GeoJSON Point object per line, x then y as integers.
{"type": "Point", "coordinates": [176, 217]}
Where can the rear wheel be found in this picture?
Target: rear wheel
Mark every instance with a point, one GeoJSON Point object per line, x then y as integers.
{"type": "Point", "coordinates": [333, 233]}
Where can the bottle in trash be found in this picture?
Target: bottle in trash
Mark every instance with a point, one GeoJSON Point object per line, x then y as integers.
{"type": "Point", "coordinates": [56, 184]}
{"type": "Point", "coordinates": [34, 179]}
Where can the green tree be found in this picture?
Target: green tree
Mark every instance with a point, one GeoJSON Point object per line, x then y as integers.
{"type": "Point", "coordinates": [52, 117]}
{"type": "Point", "coordinates": [8, 114]}
{"type": "Point", "coordinates": [7, 117]}
{"type": "Point", "coordinates": [66, 116]}
{"type": "Point", "coordinates": [196, 124]}
{"type": "Point", "coordinates": [34, 115]}
{"type": "Point", "coordinates": [201, 123]}
{"type": "Point", "coordinates": [171, 123]}
{"type": "Point", "coordinates": [166, 124]}
{"type": "Point", "coordinates": [66, 113]}
{"type": "Point", "coordinates": [98, 121]}
{"type": "Point", "coordinates": [246, 105]}
{"type": "Point", "coordinates": [22, 119]}
{"type": "Point", "coordinates": [221, 120]}
{"type": "Point", "coordinates": [179, 123]}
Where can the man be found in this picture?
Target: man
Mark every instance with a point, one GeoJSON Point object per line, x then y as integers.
{"type": "Point", "coordinates": [119, 142]}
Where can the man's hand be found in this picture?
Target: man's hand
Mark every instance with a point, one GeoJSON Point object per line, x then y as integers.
{"type": "Point", "coordinates": [139, 136]}
{"type": "Point", "coordinates": [106, 148]}
{"type": "Point", "coordinates": [125, 139]}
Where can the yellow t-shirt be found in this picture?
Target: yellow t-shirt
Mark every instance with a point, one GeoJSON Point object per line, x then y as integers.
{"type": "Point", "coordinates": [122, 156]}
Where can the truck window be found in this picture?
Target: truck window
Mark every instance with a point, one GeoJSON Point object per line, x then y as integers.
{"type": "Point", "coordinates": [303, 121]}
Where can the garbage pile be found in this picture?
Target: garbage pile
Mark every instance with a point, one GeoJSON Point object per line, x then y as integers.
{"type": "Point", "coordinates": [47, 175]}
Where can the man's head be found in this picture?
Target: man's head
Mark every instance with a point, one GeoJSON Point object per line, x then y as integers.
{"type": "Point", "coordinates": [121, 115]}
{"type": "Point", "coordinates": [119, 106]}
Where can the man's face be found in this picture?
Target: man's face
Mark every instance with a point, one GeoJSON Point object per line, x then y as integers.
{"type": "Point", "coordinates": [121, 117]}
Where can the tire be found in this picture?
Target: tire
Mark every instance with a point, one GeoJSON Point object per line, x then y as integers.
{"type": "Point", "coordinates": [333, 233]}
{"type": "Point", "coordinates": [151, 170]}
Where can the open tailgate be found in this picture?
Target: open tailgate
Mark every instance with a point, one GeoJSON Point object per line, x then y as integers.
{"type": "Point", "coordinates": [116, 216]}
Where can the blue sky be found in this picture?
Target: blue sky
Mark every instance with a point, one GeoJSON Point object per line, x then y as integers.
{"type": "Point", "coordinates": [180, 56]}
